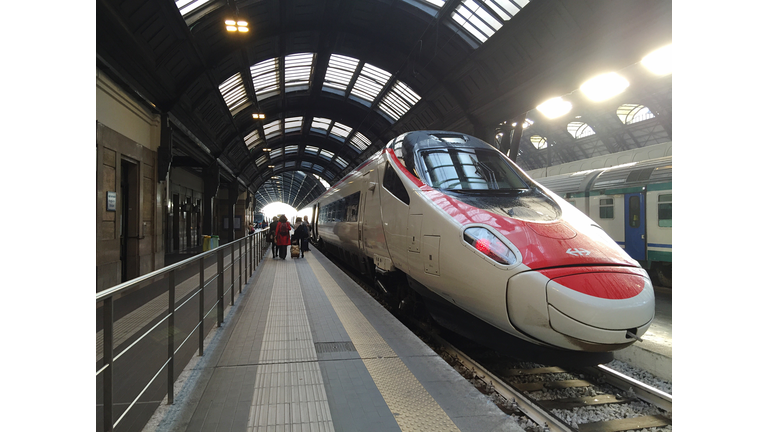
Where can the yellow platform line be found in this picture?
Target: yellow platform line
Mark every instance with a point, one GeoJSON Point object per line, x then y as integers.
{"type": "Point", "coordinates": [412, 406]}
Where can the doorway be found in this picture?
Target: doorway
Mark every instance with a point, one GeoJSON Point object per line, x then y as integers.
{"type": "Point", "coordinates": [129, 225]}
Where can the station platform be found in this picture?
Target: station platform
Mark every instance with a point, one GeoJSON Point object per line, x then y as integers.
{"type": "Point", "coordinates": [306, 349]}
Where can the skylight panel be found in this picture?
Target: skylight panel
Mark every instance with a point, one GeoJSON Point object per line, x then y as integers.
{"type": "Point", "coordinates": [265, 78]}
{"type": "Point", "coordinates": [506, 9]}
{"type": "Point", "coordinates": [272, 130]}
{"type": "Point", "coordinates": [306, 165]}
{"type": "Point", "coordinates": [341, 162]}
{"type": "Point", "coordinates": [291, 149]}
{"type": "Point", "coordinates": [262, 160]}
{"type": "Point", "coordinates": [579, 130]}
{"type": "Point", "coordinates": [311, 149]}
{"type": "Point", "coordinates": [370, 82]}
{"type": "Point", "coordinates": [293, 124]}
{"type": "Point", "coordinates": [341, 131]}
{"type": "Point", "coordinates": [233, 92]}
{"type": "Point", "coordinates": [325, 154]}
{"type": "Point", "coordinates": [252, 139]}
{"type": "Point", "coordinates": [360, 141]}
{"type": "Point", "coordinates": [320, 125]}
{"type": "Point", "coordinates": [340, 71]}
{"type": "Point", "coordinates": [399, 100]}
{"type": "Point", "coordinates": [188, 6]}
{"type": "Point", "coordinates": [324, 183]}
{"type": "Point", "coordinates": [476, 20]}
{"type": "Point", "coordinates": [298, 69]}
{"type": "Point", "coordinates": [276, 153]}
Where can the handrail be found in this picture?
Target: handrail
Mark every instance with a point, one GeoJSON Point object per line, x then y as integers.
{"type": "Point", "coordinates": [249, 250]}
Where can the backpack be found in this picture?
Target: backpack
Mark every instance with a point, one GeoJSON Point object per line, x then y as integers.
{"type": "Point", "coordinates": [283, 230]}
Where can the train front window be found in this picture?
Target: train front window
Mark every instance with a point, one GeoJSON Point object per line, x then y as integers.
{"type": "Point", "coordinates": [470, 169]}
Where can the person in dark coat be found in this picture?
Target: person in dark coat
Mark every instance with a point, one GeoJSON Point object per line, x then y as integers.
{"type": "Point", "coordinates": [302, 235]}
{"type": "Point", "coordinates": [305, 247]}
{"type": "Point", "coordinates": [271, 234]}
{"type": "Point", "coordinates": [283, 236]}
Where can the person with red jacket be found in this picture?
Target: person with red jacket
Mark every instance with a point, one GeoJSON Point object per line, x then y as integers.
{"type": "Point", "coordinates": [283, 236]}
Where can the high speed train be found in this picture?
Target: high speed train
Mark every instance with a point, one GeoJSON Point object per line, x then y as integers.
{"type": "Point", "coordinates": [447, 224]}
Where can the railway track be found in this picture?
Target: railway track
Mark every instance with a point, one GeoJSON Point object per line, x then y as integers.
{"type": "Point", "coordinates": [548, 398]}
{"type": "Point", "coordinates": [589, 400]}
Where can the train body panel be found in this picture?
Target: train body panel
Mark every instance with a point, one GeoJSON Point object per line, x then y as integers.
{"type": "Point", "coordinates": [467, 227]}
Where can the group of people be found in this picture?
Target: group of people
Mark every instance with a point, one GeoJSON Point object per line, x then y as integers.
{"type": "Point", "coordinates": [280, 235]}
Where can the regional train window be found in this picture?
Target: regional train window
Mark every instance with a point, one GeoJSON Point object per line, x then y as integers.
{"type": "Point", "coordinates": [470, 169]}
{"type": "Point", "coordinates": [606, 208]}
{"type": "Point", "coordinates": [634, 212]}
{"type": "Point", "coordinates": [665, 210]}
{"type": "Point", "coordinates": [393, 184]}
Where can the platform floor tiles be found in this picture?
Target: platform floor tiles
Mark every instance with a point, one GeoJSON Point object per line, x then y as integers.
{"type": "Point", "coordinates": [306, 349]}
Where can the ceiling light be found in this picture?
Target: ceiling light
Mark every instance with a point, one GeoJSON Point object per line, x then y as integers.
{"type": "Point", "coordinates": [267, 149]}
{"type": "Point", "coordinates": [270, 166]}
{"type": "Point", "coordinates": [659, 61]}
{"type": "Point", "coordinates": [233, 26]}
{"type": "Point", "coordinates": [604, 86]}
{"type": "Point", "coordinates": [259, 116]}
{"type": "Point", "coordinates": [555, 107]}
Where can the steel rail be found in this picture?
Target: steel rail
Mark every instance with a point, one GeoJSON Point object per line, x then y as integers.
{"type": "Point", "coordinates": [642, 390]}
{"type": "Point", "coordinates": [527, 405]}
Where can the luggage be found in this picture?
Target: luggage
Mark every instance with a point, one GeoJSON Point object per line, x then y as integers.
{"type": "Point", "coordinates": [295, 251]}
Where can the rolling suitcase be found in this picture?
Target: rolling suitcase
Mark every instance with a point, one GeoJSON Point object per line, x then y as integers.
{"type": "Point", "coordinates": [295, 251]}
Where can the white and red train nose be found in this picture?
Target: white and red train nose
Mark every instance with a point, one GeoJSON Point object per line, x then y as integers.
{"type": "Point", "coordinates": [594, 308]}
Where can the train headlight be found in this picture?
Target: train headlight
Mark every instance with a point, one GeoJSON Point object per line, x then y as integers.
{"type": "Point", "coordinates": [489, 245]}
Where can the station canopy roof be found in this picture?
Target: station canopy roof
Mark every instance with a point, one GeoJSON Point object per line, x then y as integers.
{"type": "Point", "coordinates": [287, 96]}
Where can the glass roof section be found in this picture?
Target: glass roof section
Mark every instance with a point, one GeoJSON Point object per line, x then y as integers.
{"type": "Point", "coordinates": [188, 6]}
{"type": "Point", "coordinates": [325, 154]}
{"type": "Point", "coordinates": [311, 150]}
{"type": "Point", "coordinates": [272, 129]}
{"type": "Point", "coordinates": [262, 160]}
{"type": "Point", "coordinates": [360, 142]}
{"type": "Point", "coordinates": [370, 82]}
{"type": "Point", "coordinates": [579, 130]}
{"type": "Point", "coordinates": [341, 162]}
{"type": "Point", "coordinates": [340, 72]}
{"type": "Point", "coordinates": [325, 183]}
{"type": "Point", "coordinates": [483, 18]}
{"type": "Point", "coordinates": [633, 113]}
{"type": "Point", "coordinates": [265, 78]}
{"type": "Point", "coordinates": [293, 124]}
{"type": "Point", "coordinates": [253, 139]}
{"type": "Point", "coordinates": [298, 69]}
{"type": "Point", "coordinates": [320, 124]}
{"type": "Point", "coordinates": [539, 141]}
{"type": "Point", "coordinates": [341, 131]}
{"type": "Point", "coordinates": [233, 92]}
{"type": "Point", "coordinates": [399, 100]}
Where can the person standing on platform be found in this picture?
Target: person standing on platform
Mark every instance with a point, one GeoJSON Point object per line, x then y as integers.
{"type": "Point", "coordinates": [302, 235]}
{"type": "Point", "coordinates": [283, 236]}
{"type": "Point", "coordinates": [309, 233]}
{"type": "Point", "coordinates": [271, 236]}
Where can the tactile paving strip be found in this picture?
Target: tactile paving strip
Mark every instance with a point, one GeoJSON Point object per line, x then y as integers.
{"type": "Point", "coordinates": [289, 393]}
{"type": "Point", "coordinates": [412, 406]}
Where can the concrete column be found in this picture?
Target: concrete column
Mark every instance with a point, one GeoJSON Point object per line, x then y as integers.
{"type": "Point", "coordinates": [211, 182]}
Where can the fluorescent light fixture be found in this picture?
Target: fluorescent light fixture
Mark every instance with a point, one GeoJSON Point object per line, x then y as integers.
{"type": "Point", "coordinates": [555, 107]}
{"type": "Point", "coordinates": [231, 28]}
{"type": "Point", "coordinates": [604, 86]}
{"type": "Point", "coordinates": [659, 61]}
{"type": "Point", "coordinates": [230, 22]}
{"type": "Point", "coordinates": [234, 26]}
{"type": "Point", "coordinates": [259, 116]}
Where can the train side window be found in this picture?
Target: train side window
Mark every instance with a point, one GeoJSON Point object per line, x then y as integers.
{"type": "Point", "coordinates": [393, 184]}
{"type": "Point", "coordinates": [606, 208]}
{"type": "Point", "coordinates": [665, 210]}
{"type": "Point", "coordinates": [634, 212]}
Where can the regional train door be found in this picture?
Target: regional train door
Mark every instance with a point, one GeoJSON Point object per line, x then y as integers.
{"type": "Point", "coordinates": [634, 225]}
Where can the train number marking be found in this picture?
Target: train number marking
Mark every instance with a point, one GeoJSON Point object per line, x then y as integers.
{"type": "Point", "coordinates": [578, 252]}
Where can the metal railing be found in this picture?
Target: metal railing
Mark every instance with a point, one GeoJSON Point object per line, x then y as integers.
{"type": "Point", "coordinates": [139, 329]}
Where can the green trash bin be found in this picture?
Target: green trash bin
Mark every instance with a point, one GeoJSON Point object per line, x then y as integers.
{"type": "Point", "coordinates": [206, 243]}
{"type": "Point", "coordinates": [214, 242]}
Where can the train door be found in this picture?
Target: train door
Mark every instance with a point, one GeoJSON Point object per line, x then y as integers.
{"type": "Point", "coordinates": [634, 225]}
{"type": "Point", "coordinates": [361, 214]}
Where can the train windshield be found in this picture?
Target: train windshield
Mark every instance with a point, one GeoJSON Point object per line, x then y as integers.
{"type": "Point", "coordinates": [470, 169]}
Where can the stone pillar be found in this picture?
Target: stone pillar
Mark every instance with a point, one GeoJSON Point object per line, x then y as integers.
{"type": "Point", "coordinates": [232, 193]}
